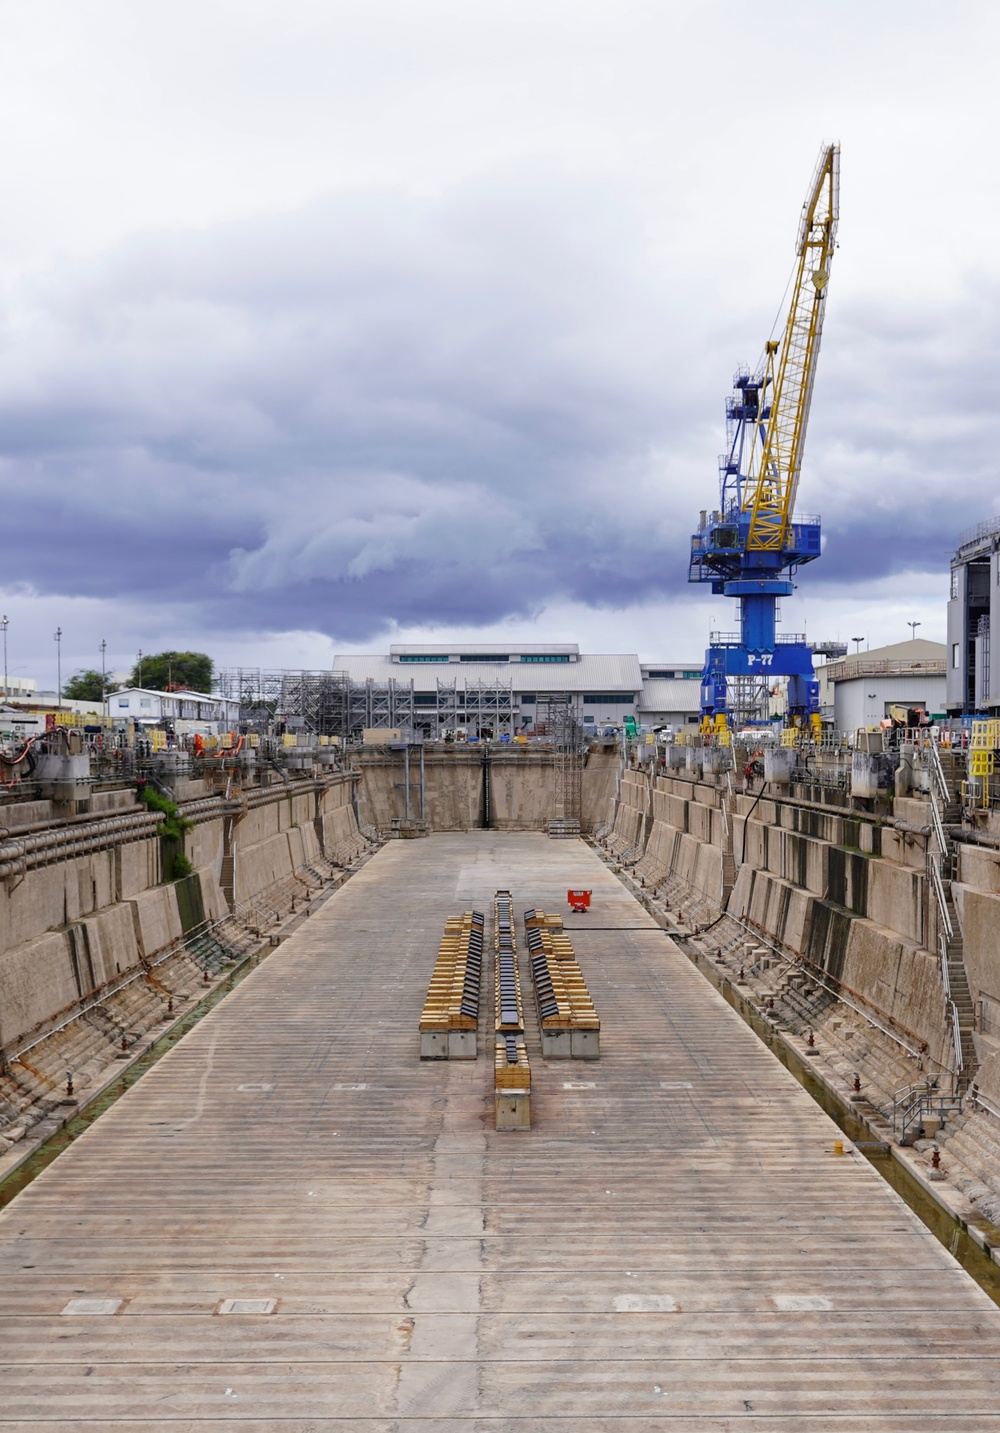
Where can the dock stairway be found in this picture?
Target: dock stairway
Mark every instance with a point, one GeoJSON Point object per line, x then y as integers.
{"type": "Point", "coordinates": [942, 864]}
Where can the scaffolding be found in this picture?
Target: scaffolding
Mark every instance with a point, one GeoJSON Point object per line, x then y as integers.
{"type": "Point", "coordinates": [311, 701]}
{"type": "Point", "coordinates": [382, 705]}
{"type": "Point", "coordinates": [483, 709]}
{"type": "Point", "coordinates": [556, 715]}
{"type": "Point", "coordinates": [330, 704]}
{"type": "Point", "coordinates": [748, 701]}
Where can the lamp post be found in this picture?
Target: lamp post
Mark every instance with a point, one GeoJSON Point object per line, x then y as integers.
{"type": "Point", "coordinates": [104, 679]}
{"type": "Point", "coordinates": [913, 629]}
{"type": "Point", "coordinates": [857, 644]}
{"type": "Point", "coordinates": [58, 640]}
{"type": "Point", "coordinates": [4, 624]}
{"type": "Point", "coordinates": [139, 667]}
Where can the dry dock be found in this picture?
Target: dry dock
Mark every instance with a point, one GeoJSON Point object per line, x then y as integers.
{"type": "Point", "coordinates": [672, 1245]}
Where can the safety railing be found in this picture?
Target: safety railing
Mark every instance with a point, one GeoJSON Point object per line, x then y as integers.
{"type": "Point", "coordinates": [956, 1036]}
{"type": "Point", "coordinates": [940, 778]}
{"type": "Point", "coordinates": [912, 1105]}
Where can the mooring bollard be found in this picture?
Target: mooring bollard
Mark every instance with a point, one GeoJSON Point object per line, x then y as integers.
{"type": "Point", "coordinates": [838, 1146]}
{"type": "Point", "coordinates": [69, 1082]}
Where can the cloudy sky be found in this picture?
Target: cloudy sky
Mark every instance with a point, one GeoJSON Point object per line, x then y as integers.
{"type": "Point", "coordinates": [328, 324]}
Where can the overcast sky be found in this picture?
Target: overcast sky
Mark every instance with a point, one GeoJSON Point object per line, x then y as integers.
{"type": "Point", "coordinates": [330, 324]}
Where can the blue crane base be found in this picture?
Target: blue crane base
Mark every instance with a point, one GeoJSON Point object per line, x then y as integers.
{"type": "Point", "coordinates": [793, 660]}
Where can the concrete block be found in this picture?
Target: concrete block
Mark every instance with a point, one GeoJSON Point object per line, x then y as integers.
{"type": "Point", "coordinates": [586, 1044]}
{"type": "Point", "coordinates": [434, 1044]}
{"type": "Point", "coordinates": [462, 1044]}
{"type": "Point", "coordinates": [513, 1109]}
{"type": "Point", "coordinates": [556, 1044]}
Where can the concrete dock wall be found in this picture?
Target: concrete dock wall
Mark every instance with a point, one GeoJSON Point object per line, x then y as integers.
{"type": "Point", "coordinates": [522, 788]}
{"type": "Point", "coordinates": [72, 927]}
{"type": "Point", "coordinates": [848, 894]}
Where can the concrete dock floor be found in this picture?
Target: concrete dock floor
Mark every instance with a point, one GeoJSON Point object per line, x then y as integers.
{"type": "Point", "coordinates": [673, 1245]}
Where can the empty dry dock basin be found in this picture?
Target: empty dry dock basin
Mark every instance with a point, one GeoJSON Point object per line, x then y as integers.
{"type": "Point", "coordinates": [300, 1225]}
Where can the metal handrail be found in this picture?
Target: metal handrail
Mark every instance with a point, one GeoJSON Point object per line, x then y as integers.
{"type": "Point", "coordinates": [938, 770]}
{"type": "Point", "coordinates": [938, 825]}
{"type": "Point", "coordinates": [956, 1036]}
{"type": "Point", "coordinates": [978, 1098]}
{"type": "Point", "coordinates": [925, 1101]}
{"type": "Point", "coordinates": [942, 900]}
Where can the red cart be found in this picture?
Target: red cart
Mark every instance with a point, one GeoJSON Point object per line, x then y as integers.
{"type": "Point", "coordinates": [579, 901]}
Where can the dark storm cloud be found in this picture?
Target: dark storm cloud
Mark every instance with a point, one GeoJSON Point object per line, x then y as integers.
{"type": "Point", "coordinates": [901, 453]}
{"type": "Point", "coordinates": [387, 409]}
{"type": "Point", "coordinates": [378, 409]}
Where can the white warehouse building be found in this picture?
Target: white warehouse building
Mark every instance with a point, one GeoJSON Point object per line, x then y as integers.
{"type": "Point", "coordinates": [506, 689]}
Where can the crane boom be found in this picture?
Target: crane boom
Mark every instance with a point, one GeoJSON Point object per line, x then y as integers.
{"type": "Point", "coordinates": [771, 500]}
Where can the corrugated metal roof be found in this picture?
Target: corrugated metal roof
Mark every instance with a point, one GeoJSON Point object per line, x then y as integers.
{"type": "Point", "coordinates": [597, 672]}
{"type": "Point", "coordinates": [675, 696]}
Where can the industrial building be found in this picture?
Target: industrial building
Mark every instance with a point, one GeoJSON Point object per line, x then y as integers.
{"type": "Point", "coordinates": [485, 688]}
{"type": "Point", "coordinates": [973, 610]}
{"type": "Point", "coordinates": [857, 690]}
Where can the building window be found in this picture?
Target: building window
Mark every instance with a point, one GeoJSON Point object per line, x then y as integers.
{"type": "Point", "coordinates": [425, 699]}
{"type": "Point", "coordinates": [956, 659]}
{"type": "Point", "coordinates": [428, 658]}
{"type": "Point", "coordinates": [693, 676]}
{"type": "Point", "coordinates": [954, 581]}
{"type": "Point", "coordinates": [545, 657]}
{"type": "Point", "coordinates": [527, 698]}
{"type": "Point", "coordinates": [145, 703]}
{"type": "Point", "coordinates": [662, 676]}
{"type": "Point", "coordinates": [123, 704]}
{"type": "Point", "coordinates": [484, 657]}
{"type": "Point", "coordinates": [608, 699]}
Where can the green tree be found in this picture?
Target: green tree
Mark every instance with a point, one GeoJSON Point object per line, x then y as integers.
{"type": "Point", "coordinates": [169, 671]}
{"type": "Point", "coordinates": [85, 686]}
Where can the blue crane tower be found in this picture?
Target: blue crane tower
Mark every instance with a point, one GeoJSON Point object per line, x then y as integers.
{"type": "Point", "coordinates": [751, 547]}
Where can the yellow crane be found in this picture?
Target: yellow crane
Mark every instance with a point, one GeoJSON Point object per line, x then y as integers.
{"type": "Point", "coordinates": [771, 498]}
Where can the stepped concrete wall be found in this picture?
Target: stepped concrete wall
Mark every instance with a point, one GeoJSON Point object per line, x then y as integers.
{"type": "Point", "coordinates": [70, 928]}
{"type": "Point", "coordinates": [849, 894]}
